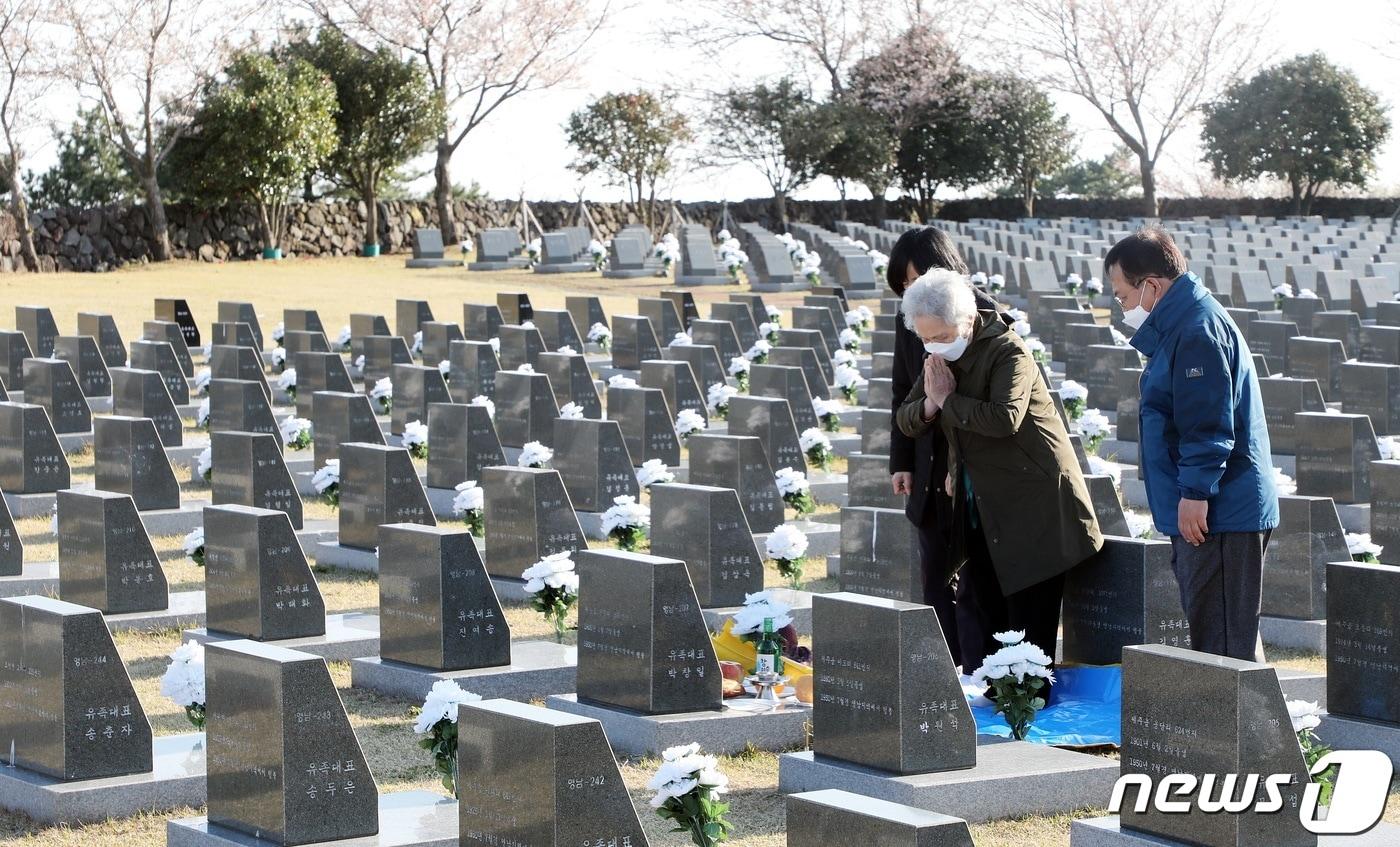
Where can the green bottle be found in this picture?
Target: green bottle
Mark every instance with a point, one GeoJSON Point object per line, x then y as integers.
{"type": "Point", "coordinates": [770, 651]}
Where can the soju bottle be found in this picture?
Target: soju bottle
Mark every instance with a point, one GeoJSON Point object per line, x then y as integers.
{"type": "Point", "coordinates": [770, 651]}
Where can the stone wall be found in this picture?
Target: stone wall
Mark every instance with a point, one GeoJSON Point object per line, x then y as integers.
{"type": "Point", "coordinates": [104, 238]}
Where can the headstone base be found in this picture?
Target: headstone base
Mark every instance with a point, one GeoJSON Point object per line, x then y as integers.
{"type": "Point", "coordinates": [34, 578]}
{"type": "Point", "coordinates": [174, 521]}
{"type": "Point", "coordinates": [537, 669]}
{"type": "Point", "coordinates": [564, 268]}
{"type": "Point", "coordinates": [506, 265]}
{"type": "Point", "coordinates": [315, 532]}
{"type": "Point", "coordinates": [632, 273]}
{"type": "Point", "coordinates": [72, 442]}
{"type": "Point", "coordinates": [692, 279]}
{"type": "Point", "coordinates": [30, 505]}
{"type": "Point", "coordinates": [832, 487]}
{"type": "Point", "coordinates": [186, 609]}
{"type": "Point", "coordinates": [1355, 517]}
{"type": "Point", "coordinates": [1105, 832]}
{"type": "Point", "coordinates": [799, 601]}
{"type": "Point", "coordinates": [722, 733]}
{"type": "Point", "coordinates": [1342, 733]}
{"type": "Point", "coordinates": [433, 263]}
{"type": "Point", "coordinates": [176, 780]}
{"type": "Point", "coordinates": [1294, 634]}
{"type": "Point", "coordinates": [823, 539]}
{"type": "Point", "coordinates": [1011, 779]}
{"type": "Point", "coordinates": [406, 819]}
{"type": "Point", "coordinates": [1303, 685]}
{"type": "Point", "coordinates": [352, 635]}
{"type": "Point", "coordinates": [332, 554]}
{"type": "Point", "coordinates": [765, 287]}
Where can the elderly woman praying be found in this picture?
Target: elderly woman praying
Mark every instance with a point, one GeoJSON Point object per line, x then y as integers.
{"type": "Point", "coordinates": [1022, 516]}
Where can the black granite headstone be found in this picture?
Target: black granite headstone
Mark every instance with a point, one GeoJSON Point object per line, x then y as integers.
{"type": "Point", "coordinates": [128, 458]}
{"type": "Point", "coordinates": [812, 340]}
{"type": "Point", "coordinates": [586, 311]}
{"type": "Point", "coordinates": [1103, 493]}
{"type": "Point", "coordinates": [788, 384]}
{"type": "Point", "coordinates": [1309, 535]}
{"type": "Point", "coordinates": [514, 306]}
{"type": "Point", "coordinates": [378, 485]}
{"type": "Point", "coordinates": [1373, 390]}
{"type": "Point", "coordinates": [239, 405]}
{"type": "Point", "coordinates": [665, 320]}
{"type": "Point", "coordinates": [318, 372]}
{"type": "Point", "coordinates": [87, 363]}
{"type": "Point", "coordinates": [472, 373]}
{"type": "Point", "coordinates": [818, 380]}
{"type": "Point", "coordinates": [105, 557]}
{"type": "Point", "coordinates": [160, 357]}
{"type": "Point", "coordinates": [572, 381]}
{"type": "Point", "coordinates": [50, 383]}
{"type": "Point", "coordinates": [295, 341]}
{"type": "Point", "coordinates": [1334, 456]}
{"type": "Point", "coordinates": [740, 463]}
{"type": "Point", "coordinates": [338, 417]}
{"type": "Point", "coordinates": [14, 348]}
{"type": "Point", "coordinates": [1125, 594]}
{"type": "Point", "coordinates": [528, 516]}
{"type": "Point", "coordinates": [437, 340]}
{"type": "Point", "coordinates": [819, 319]}
{"type": "Point", "coordinates": [437, 608]}
{"type": "Point", "coordinates": [813, 817]}
{"type": "Point", "coordinates": [520, 345]}
{"type": "Point", "coordinates": [677, 383]}
{"type": "Point", "coordinates": [235, 361]}
{"type": "Point", "coordinates": [875, 431]}
{"type": "Point", "coordinates": [880, 554]}
{"type": "Point", "coordinates": [770, 420]}
{"type": "Point", "coordinates": [171, 333]}
{"type": "Point", "coordinates": [633, 341]}
{"type": "Point", "coordinates": [705, 527]}
{"type": "Point", "coordinates": [11, 545]}
{"type": "Point", "coordinates": [741, 318]}
{"type": "Point", "coordinates": [525, 408]}
{"type": "Point", "coordinates": [142, 394]}
{"type": "Point", "coordinates": [409, 317]}
{"type": "Point", "coordinates": [703, 359]}
{"type": "Point", "coordinates": [719, 335]}
{"type": "Point", "coordinates": [1385, 508]}
{"type": "Point", "coordinates": [381, 353]}
{"type": "Point", "coordinates": [249, 471]}
{"type": "Point", "coordinates": [886, 692]}
{"type": "Point", "coordinates": [1320, 359]}
{"type": "Point", "coordinates": [557, 328]}
{"type": "Point", "coordinates": [480, 322]}
{"type": "Point", "coordinates": [176, 311]}
{"type": "Point", "coordinates": [1284, 397]}
{"type": "Point", "coordinates": [232, 312]}
{"type": "Point", "coordinates": [31, 459]}
{"type": "Point", "coordinates": [464, 442]}
{"type": "Point", "coordinates": [755, 305]}
{"type": "Point", "coordinates": [257, 582]}
{"type": "Point", "coordinates": [1362, 641]}
{"type": "Point", "coordinates": [415, 387]}
{"type": "Point", "coordinates": [593, 461]}
{"type": "Point", "coordinates": [1270, 340]}
{"type": "Point", "coordinates": [39, 327]}
{"type": "Point", "coordinates": [302, 320]}
{"type": "Point", "coordinates": [868, 482]}
{"type": "Point", "coordinates": [234, 333]}
{"type": "Point", "coordinates": [363, 325]}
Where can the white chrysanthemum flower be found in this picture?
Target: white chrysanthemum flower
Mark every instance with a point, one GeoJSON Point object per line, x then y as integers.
{"type": "Point", "coordinates": [1071, 390]}
{"type": "Point", "coordinates": [719, 394]}
{"type": "Point", "coordinates": [681, 339]}
{"type": "Point", "coordinates": [620, 381]}
{"type": "Point", "coordinates": [738, 365]}
{"type": "Point", "coordinates": [625, 513]}
{"type": "Point", "coordinates": [294, 430]}
{"type": "Point", "coordinates": [1094, 424]}
{"type": "Point", "coordinates": [483, 400]}
{"type": "Point", "coordinates": [689, 421]}
{"type": "Point", "coordinates": [327, 476]}
{"type": "Point", "coordinates": [1304, 714]}
{"type": "Point", "coordinates": [201, 380]}
{"type": "Point", "coordinates": [194, 539]}
{"type": "Point", "coordinates": [813, 437]}
{"type": "Point", "coordinates": [654, 471]}
{"type": "Point", "coordinates": [415, 434]}
{"type": "Point", "coordinates": [555, 571]}
{"type": "Point", "coordinates": [470, 497]}
{"type": "Point", "coordinates": [441, 704]}
{"type": "Point", "coordinates": [786, 542]}
{"type": "Point", "coordinates": [183, 680]}
{"type": "Point", "coordinates": [534, 455]}
{"type": "Point", "coordinates": [1284, 484]}
{"type": "Point", "coordinates": [571, 411]}
{"type": "Point", "coordinates": [791, 481]}
{"type": "Point", "coordinates": [757, 606]}
{"type": "Point", "coordinates": [204, 462]}
{"type": "Point", "coordinates": [287, 381]}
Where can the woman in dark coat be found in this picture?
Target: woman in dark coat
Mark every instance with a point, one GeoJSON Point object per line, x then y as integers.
{"type": "Point", "coordinates": [918, 465]}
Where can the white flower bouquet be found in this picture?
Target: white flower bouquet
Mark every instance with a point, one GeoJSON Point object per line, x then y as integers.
{"type": "Point", "coordinates": [342, 341]}
{"type": "Point", "coordinates": [849, 339]}
{"type": "Point", "coordinates": [445, 368]}
{"type": "Point", "coordinates": [183, 681]}
{"type": "Point", "coordinates": [653, 471]}
{"type": "Point", "coordinates": [1072, 283]}
{"type": "Point", "coordinates": [689, 422]}
{"type": "Point", "coordinates": [470, 505]}
{"type": "Point", "coordinates": [1094, 426]}
{"type": "Point", "coordinates": [769, 331]}
{"type": "Point", "coordinates": [860, 318]}
{"type": "Point", "coordinates": [978, 279]}
{"type": "Point", "coordinates": [278, 333]}
{"type": "Point", "coordinates": [483, 400]}
{"type": "Point", "coordinates": [437, 723]}
{"type": "Point", "coordinates": [288, 382]}
{"type": "Point", "coordinates": [996, 283]}
{"type": "Point", "coordinates": [681, 339]}
{"type": "Point", "coordinates": [602, 336]}
{"type": "Point", "coordinates": [533, 251]}
{"type": "Point", "coordinates": [718, 396]}
{"type": "Point", "coordinates": [1139, 525]}
{"type": "Point", "coordinates": [201, 381]}
{"type": "Point", "coordinates": [1284, 484]}
{"type": "Point", "coordinates": [296, 432]}
{"type": "Point", "coordinates": [739, 369]}
{"type": "Point", "coordinates": [1282, 291]}
{"type": "Point", "coordinates": [828, 412]}
{"type": "Point", "coordinates": [1306, 717]}
{"type": "Point", "coordinates": [734, 261]}
{"type": "Point", "coordinates": [842, 356]}
{"type": "Point", "coordinates": [534, 455]}
{"type": "Point", "coordinates": [817, 446]}
{"type": "Point", "coordinates": [812, 268]}
{"type": "Point", "coordinates": [687, 785]}
{"type": "Point", "coordinates": [1093, 287]}
{"type": "Point", "coordinates": [849, 380]}
{"type": "Point", "coordinates": [415, 438]}
{"type": "Point", "coordinates": [1038, 351]}
{"type": "Point", "coordinates": [1307, 294]}
{"type": "Point", "coordinates": [758, 606]}
{"type": "Point", "coordinates": [566, 350]}
{"type": "Point", "coordinates": [1022, 328]}
{"type": "Point", "coordinates": [1074, 396]}
{"type": "Point", "coordinates": [774, 316]}
{"type": "Point", "coordinates": [204, 464]}
{"type": "Point", "coordinates": [668, 250]}
{"type": "Point", "coordinates": [787, 547]}
{"type": "Point", "coordinates": [194, 545]}
{"type": "Point", "coordinates": [1362, 549]}
{"type": "Point", "coordinates": [598, 251]}
{"type": "Point", "coordinates": [279, 358]}
{"type": "Point", "coordinates": [571, 411]}
{"type": "Point", "coordinates": [758, 353]}
{"type": "Point", "coordinates": [796, 490]}
{"type": "Point", "coordinates": [383, 395]}
{"type": "Point", "coordinates": [880, 261]}
{"type": "Point", "coordinates": [201, 415]}
{"type": "Point", "coordinates": [525, 368]}
{"type": "Point", "coordinates": [552, 584]}
{"type": "Point", "coordinates": [626, 522]}
{"type": "Point", "coordinates": [620, 381]}
{"type": "Point", "coordinates": [326, 481]}
{"type": "Point", "coordinates": [1015, 674]}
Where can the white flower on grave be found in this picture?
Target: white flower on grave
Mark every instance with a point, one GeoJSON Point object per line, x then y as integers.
{"type": "Point", "coordinates": [554, 571]}
{"type": "Point", "coordinates": [279, 332]}
{"type": "Point", "coordinates": [204, 463]}
{"type": "Point", "coordinates": [1304, 714]}
{"type": "Point", "coordinates": [1283, 291]}
{"type": "Point", "coordinates": [495, 345]}
{"type": "Point", "coordinates": [978, 279]}
{"type": "Point", "coordinates": [812, 265]}
{"type": "Point", "coordinates": [760, 350]}
{"type": "Point", "coordinates": [483, 400]}
{"type": "Point", "coordinates": [681, 339]}
{"type": "Point", "coordinates": [1103, 467]}
{"type": "Point", "coordinates": [722, 235]}
{"type": "Point", "coordinates": [1094, 424]}
{"type": "Point", "coordinates": [597, 249]}
{"type": "Point", "coordinates": [1139, 525]}
{"type": "Point", "coordinates": [208, 350]}
{"type": "Point", "coordinates": [470, 497]}
{"type": "Point", "coordinates": [849, 339]}
{"type": "Point", "coordinates": [625, 513]}
{"type": "Point", "coordinates": [279, 357]}
{"type": "Point", "coordinates": [534, 455]}
{"type": "Point", "coordinates": [53, 522]}
{"type": "Point", "coordinates": [1360, 544]}
{"type": "Point", "coordinates": [415, 436]}
{"type": "Point", "coordinates": [653, 471]}
{"type": "Point", "coordinates": [194, 539]}
{"type": "Point", "coordinates": [1119, 338]}
{"type": "Point", "coordinates": [441, 704]}
{"type": "Point", "coordinates": [534, 249]}
{"type": "Point", "coordinates": [791, 481]}
{"type": "Point", "coordinates": [567, 351]}
{"type": "Point", "coordinates": [327, 476]}
{"type": "Point", "coordinates": [843, 357]}
{"type": "Point", "coordinates": [360, 362]}
{"type": "Point", "coordinates": [1016, 315]}
{"type": "Point", "coordinates": [296, 432]}
{"type": "Point", "coordinates": [1307, 294]}
{"type": "Point", "coordinates": [201, 381]}
{"type": "Point", "coordinates": [1387, 446]}
{"type": "Point", "coordinates": [527, 324]}
{"type": "Point", "coordinates": [417, 349]}
{"type": "Point", "coordinates": [689, 421]}
{"type": "Point", "coordinates": [1071, 390]}
{"type": "Point", "coordinates": [734, 260]}
{"type": "Point", "coordinates": [738, 365]}
{"type": "Point", "coordinates": [1284, 484]}
{"type": "Point", "coordinates": [571, 411]}
{"type": "Point", "coordinates": [824, 407]}
{"type": "Point", "coordinates": [383, 389]}
{"type": "Point", "coordinates": [773, 315]}
{"type": "Point", "coordinates": [768, 330]}
{"type": "Point", "coordinates": [787, 542]}
{"type": "Point", "coordinates": [467, 245]}
{"type": "Point", "coordinates": [525, 368]}
{"type": "Point", "coordinates": [599, 333]}
{"type": "Point", "coordinates": [1017, 658]}
{"type": "Point", "coordinates": [1010, 636]}
{"type": "Point", "coordinates": [682, 770]}
{"type": "Point", "coordinates": [620, 381]}
{"type": "Point", "coordinates": [1094, 285]}
{"type": "Point", "coordinates": [757, 606]}
{"type": "Point", "coordinates": [880, 261]}
{"type": "Point", "coordinates": [719, 394]}
{"type": "Point", "coordinates": [183, 681]}
{"type": "Point", "coordinates": [201, 415]}
{"type": "Point", "coordinates": [287, 380]}
{"type": "Point", "coordinates": [1073, 281]}
{"type": "Point", "coordinates": [343, 340]}
{"type": "Point", "coordinates": [813, 437]}
{"type": "Point", "coordinates": [1022, 328]}
{"type": "Point", "coordinates": [854, 318]}
{"type": "Point", "coordinates": [995, 283]}
{"type": "Point", "coordinates": [444, 367]}
{"type": "Point", "coordinates": [848, 378]}
{"type": "Point", "coordinates": [1035, 345]}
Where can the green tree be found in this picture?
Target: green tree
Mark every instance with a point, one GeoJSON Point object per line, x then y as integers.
{"type": "Point", "coordinates": [630, 138]}
{"type": "Point", "coordinates": [255, 136]}
{"type": "Point", "coordinates": [1304, 121]}
{"type": "Point", "coordinates": [89, 171]}
{"type": "Point", "coordinates": [387, 115]}
{"type": "Point", "coordinates": [775, 128]}
{"type": "Point", "coordinates": [863, 151]}
{"type": "Point", "coordinates": [1114, 176]}
{"type": "Point", "coordinates": [1032, 139]}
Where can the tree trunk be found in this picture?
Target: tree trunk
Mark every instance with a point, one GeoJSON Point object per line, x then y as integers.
{"type": "Point", "coordinates": [841, 205]}
{"type": "Point", "coordinates": [371, 198]}
{"type": "Point", "coordinates": [1297, 186]}
{"type": "Point", "coordinates": [19, 207]}
{"type": "Point", "coordinates": [780, 210]}
{"type": "Point", "coordinates": [442, 193]}
{"type": "Point", "coordinates": [1028, 196]}
{"type": "Point", "coordinates": [1149, 186]}
{"type": "Point", "coordinates": [155, 206]}
{"type": "Point", "coordinates": [880, 204]}
{"type": "Point", "coordinates": [308, 188]}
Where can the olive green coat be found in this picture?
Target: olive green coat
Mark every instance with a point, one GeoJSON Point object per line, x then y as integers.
{"type": "Point", "coordinates": [1001, 424]}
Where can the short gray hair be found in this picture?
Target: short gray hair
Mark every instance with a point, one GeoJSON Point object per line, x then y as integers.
{"type": "Point", "coordinates": [942, 294]}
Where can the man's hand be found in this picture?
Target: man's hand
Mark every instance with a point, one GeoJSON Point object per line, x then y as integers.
{"type": "Point", "coordinates": [902, 482]}
{"type": "Point", "coordinates": [1191, 520]}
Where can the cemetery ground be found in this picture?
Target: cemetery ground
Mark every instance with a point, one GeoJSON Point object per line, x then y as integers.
{"type": "Point", "coordinates": [337, 287]}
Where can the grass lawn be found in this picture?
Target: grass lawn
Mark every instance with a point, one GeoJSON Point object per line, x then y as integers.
{"type": "Point", "coordinates": [337, 287]}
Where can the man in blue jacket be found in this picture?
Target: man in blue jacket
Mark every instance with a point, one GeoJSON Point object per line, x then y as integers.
{"type": "Point", "coordinates": [1204, 445]}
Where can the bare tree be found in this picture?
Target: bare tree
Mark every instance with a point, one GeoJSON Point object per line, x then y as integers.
{"type": "Point", "coordinates": [144, 62]}
{"type": "Point", "coordinates": [1146, 66]}
{"type": "Point", "coordinates": [479, 54]}
{"type": "Point", "coordinates": [22, 85]}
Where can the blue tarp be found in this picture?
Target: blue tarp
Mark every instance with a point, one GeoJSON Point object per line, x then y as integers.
{"type": "Point", "coordinates": [1087, 710]}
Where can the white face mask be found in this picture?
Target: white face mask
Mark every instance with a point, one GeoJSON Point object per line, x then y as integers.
{"type": "Point", "coordinates": [1137, 315]}
{"type": "Point", "coordinates": [950, 351]}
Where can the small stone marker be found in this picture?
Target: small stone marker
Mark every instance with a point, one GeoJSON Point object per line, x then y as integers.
{"type": "Point", "coordinates": [257, 582]}
{"type": "Point", "coordinates": [705, 527]}
{"type": "Point", "coordinates": [129, 458]}
{"type": "Point", "coordinates": [105, 558]}
{"type": "Point", "coordinates": [378, 485]}
{"type": "Point", "coordinates": [249, 471]}
{"type": "Point", "coordinates": [528, 516]}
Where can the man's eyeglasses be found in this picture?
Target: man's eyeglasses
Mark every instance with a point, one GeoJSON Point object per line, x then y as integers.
{"type": "Point", "coordinates": [1136, 287]}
